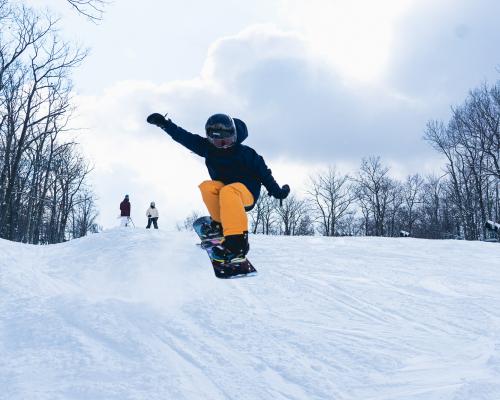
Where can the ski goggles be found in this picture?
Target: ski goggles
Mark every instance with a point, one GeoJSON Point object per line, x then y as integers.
{"type": "Point", "coordinates": [222, 143]}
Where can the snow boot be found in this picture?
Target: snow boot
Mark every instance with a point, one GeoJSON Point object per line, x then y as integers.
{"type": "Point", "coordinates": [212, 230]}
{"type": "Point", "coordinates": [233, 249]}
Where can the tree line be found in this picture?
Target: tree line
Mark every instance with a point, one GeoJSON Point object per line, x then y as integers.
{"type": "Point", "coordinates": [44, 193]}
{"type": "Point", "coordinates": [455, 204]}
{"type": "Point", "coordinates": [371, 203]}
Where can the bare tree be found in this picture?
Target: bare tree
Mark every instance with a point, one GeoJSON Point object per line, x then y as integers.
{"type": "Point", "coordinates": [263, 216]}
{"type": "Point", "coordinates": [411, 197]}
{"type": "Point", "coordinates": [305, 226]}
{"type": "Point", "coordinates": [39, 175]}
{"type": "Point", "coordinates": [471, 144]}
{"type": "Point", "coordinates": [331, 195]}
{"type": "Point", "coordinates": [257, 213]}
{"type": "Point", "coordinates": [290, 214]}
{"type": "Point", "coordinates": [393, 223]}
{"type": "Point", "coordinates": [92, 9]}
{"type": "Point", "coordinates": [83, 215]}
{"type": "Point", "coordinates": [437, 215]}
{"type": "Point", "coordinates": [373, 187]}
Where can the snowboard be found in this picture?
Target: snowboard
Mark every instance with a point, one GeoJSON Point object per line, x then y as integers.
{"type": "Point", "coordinates": [222, 270]}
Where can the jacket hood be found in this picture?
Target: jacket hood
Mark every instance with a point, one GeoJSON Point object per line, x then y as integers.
{"type": "Point", "coordinates": [241, 130]}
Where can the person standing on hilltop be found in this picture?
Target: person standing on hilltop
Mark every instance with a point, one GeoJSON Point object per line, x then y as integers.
{"type": "Point", "coordinates": [125, 211]}
{"type": "Point", "coordinates": [152, 214]}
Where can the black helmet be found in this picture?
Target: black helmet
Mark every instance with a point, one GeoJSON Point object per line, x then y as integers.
{"type": "Point", "coordinates": [221, 131]}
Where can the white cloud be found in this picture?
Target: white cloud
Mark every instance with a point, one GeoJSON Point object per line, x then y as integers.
{"type": "Point", "coordinates": [354, 36]}
{"type": "Point", "coordinates": [444, 49]}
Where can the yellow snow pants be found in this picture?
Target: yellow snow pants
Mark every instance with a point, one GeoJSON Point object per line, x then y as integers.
{"type": "Point", "coordinates": [226, 204]}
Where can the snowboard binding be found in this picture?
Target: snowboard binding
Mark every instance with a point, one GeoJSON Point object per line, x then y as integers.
{"type": "Point", "coordinates": [228, 256]}
{"type": "Point", "coordinates": [211, 230]}
{"type": "Point", "coordinates": [232, 250]}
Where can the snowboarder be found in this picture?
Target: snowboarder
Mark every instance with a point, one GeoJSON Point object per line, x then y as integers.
{"type": "Point", "coordinates": [125, 211]}
{"type": "Point", "coordinates": [152, 214]}
{"type": "Point", "coordinates": [237, 173]}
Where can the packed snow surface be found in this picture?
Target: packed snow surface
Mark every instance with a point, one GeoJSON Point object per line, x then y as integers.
{"type": "Point", "coordinates": [136, 314]}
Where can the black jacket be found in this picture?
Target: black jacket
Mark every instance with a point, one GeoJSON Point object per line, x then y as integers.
{"type": "Point", "coordinates": [238, 163]}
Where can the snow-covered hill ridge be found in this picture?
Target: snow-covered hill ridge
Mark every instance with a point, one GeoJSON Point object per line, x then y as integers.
{"type": "Point", "coordinates": [136, 314]}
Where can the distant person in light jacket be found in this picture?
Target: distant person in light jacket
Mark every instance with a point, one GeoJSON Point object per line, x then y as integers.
{"type": "Point", "coordinates": [152, 214]}
{"type": "Point", "coordinates": [125, 211]}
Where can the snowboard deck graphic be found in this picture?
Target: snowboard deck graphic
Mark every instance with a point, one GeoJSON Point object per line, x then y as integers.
{"type": "Point", "coordinates": [222, 270]}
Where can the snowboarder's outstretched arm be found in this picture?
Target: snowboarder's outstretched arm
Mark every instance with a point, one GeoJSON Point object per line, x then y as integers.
{"type": "Point", "coordinates": [195, 143]}
{"type": "Point", "coordinates": [268, 180]}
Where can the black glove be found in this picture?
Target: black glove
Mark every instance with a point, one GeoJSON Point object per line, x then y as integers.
{"type": "Point", "coordinates": [157, 119]}
{"type": "Point", "coordinates": [284, 192]}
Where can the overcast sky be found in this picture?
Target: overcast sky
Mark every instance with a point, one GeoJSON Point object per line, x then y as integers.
{"type": "Point", "coordinates": [318, 82]}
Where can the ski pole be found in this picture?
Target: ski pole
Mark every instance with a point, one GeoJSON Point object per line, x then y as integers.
{"type": "Point", "coordinates": [130, 219]}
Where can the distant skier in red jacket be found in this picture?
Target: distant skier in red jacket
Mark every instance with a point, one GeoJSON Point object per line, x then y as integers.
{"type": "Point", "coordinates": [125, 211]}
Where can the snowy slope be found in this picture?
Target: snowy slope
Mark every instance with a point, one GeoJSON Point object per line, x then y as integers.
{"type": "Point", "coordinates": [136, 314]}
